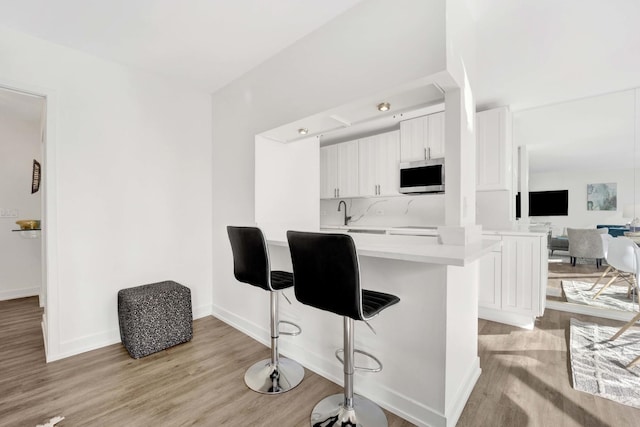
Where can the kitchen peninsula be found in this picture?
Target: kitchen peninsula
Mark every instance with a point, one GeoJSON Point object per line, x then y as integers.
{"type": "Point", "coordinates": [427, 343]}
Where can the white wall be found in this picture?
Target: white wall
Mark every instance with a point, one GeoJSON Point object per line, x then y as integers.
{"type": "Point", "coordinates": [460, 159]}
{"type": "Point", "coordinates": [129, 186]}
{"type": "Point", "coordinates": [493, 209]}
{"type": "Point", "coordinates": [287, 184]}
{"type": "Point", "coordinates": [20, 258]}
{"type": "Point", "coordinates": [576, 183]}
{"type": "Point", "coordinates": [346, 59]}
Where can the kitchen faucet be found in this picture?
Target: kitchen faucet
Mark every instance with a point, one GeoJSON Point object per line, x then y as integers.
{"type": "Point", "coordinates": [346, 218]}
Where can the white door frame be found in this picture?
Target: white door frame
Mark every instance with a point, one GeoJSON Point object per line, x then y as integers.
{"type": "Point", "coordinates": [50, 319]}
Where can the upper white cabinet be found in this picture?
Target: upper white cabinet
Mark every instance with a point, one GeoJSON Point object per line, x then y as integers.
{"type": "Point", "coordinates": [328, 172]}
{"type": "Point", "coordinates": [422, 138]}
{"type": "Point", "coordinates": [379, 158]}
{"type": "Point", "coordinates": [339, 170]}
{"type": "Point", "coordinates": [494, 150]}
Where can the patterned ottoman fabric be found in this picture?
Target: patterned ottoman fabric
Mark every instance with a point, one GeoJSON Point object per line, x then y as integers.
{"type": "Point", "coordinates": [154, 317]}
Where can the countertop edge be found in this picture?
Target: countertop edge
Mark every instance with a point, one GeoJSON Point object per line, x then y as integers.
{"type": "Point", "coordinates": [470, 253]}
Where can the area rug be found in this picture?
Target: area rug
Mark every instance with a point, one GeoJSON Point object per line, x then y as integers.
{"type": "Point", "coordinates": [614, 297]}
{"type": "Point", "coordinates": [598, 365]}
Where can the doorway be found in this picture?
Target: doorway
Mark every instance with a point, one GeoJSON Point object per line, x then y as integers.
{"type": "Point", "coordinates": [23, 133]}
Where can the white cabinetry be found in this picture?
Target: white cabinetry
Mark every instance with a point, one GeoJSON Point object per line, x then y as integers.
{"type": "Point", "coordinates": [489, 293]}
{"type": "Point", "coordinates": [328, 172]}
{"type": "Point", "coordinates": [339, 170]}
{"type": "Point", "coordinates": [379, 157]}
{"type": "Point", "coordinates": [494, 150]}
{"type": "Point", "coordinates": [516, 294]}
{"type": "Point", "coordinates": [422, 138]}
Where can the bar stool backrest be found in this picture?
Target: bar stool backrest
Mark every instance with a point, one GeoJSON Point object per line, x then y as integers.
{"type": "Point", "coordinates": [326, 272]}
{"type": "Point", "coordinates": [250, 256]}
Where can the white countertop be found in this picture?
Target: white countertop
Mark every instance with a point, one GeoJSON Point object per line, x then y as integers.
{"type": "Point", "coordinates": [427, 230]}
{"type": "Point", "coordinates": [407, 248]}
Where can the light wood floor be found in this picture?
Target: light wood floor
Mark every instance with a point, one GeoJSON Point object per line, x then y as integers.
{"type": "Point", "coordinates": [525, 381]}
{"type": "Point", "coordinates": [198, 383]}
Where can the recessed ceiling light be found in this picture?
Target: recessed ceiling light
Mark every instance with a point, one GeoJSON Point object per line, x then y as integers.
{"type": "Point", "coordinates": [303, 131]}
{"type": "Point", "coordinates": [384, 106]}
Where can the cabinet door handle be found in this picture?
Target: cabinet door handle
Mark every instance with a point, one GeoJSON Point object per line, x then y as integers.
{"type": "Point", "coordinates": [428, 153]}
{"type": "Point", "coordinates": [378, 189]}
{"type": "Point", "coordinates": [338, 192]}
{"type": "Point", "coordinates": [335, 193]}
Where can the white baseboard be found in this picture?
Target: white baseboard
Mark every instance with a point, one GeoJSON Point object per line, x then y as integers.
{"type": "Point", "coordinates": [43, 324]}
{"type": "Point", "coordinates": [525, 321]}
{"type": "Point", "coordinates": [392, 400]}
{"type": "Point", "coordinates": [454, 411]}
{"type": "Point", "coordinates": [202, 311]}
{"type": "Point", "coordinates": [95, 341]}
{"type": "Point", "coordinates": [84, 344]}
{"type": "Point", "coordinates": [19, 293]}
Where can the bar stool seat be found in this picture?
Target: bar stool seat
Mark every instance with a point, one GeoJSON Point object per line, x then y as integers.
{"type": "Point", "coordinates": [326, 275]}
{"type": "Point", "coordinates": [374, 302]}
{"type": "Point", "coordinates": [281, 280]}
{"type": "Point", "coordinates": [251, 265]}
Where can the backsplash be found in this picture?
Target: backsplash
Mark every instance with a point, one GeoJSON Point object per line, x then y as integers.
{"type": "Point", "coordinates": [422, 210]}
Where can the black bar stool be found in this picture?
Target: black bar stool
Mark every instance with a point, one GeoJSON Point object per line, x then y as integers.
{"type": "Point", "coordinates": [251, 265]}
{"type": "Point", "coordinates": [327, 276]}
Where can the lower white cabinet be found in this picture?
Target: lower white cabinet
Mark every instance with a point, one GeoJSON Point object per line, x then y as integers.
{"type": "Point", "coordinates": [513, 282]}
{"type": "Point", "coordinates": [490, 292]}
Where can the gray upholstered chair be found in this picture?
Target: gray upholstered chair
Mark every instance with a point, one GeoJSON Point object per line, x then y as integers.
{"type": "Point", "coordinates": [586, 243]}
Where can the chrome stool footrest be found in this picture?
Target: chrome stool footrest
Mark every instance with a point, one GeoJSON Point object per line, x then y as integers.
{"type": "Point", "coordinates": [361, 368]}
{"type": "Point", "coordinates": [295, 333]}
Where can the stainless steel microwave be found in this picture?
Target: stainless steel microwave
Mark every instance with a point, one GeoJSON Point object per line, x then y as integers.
{"type": "Point", "coordinates": [422, 176]}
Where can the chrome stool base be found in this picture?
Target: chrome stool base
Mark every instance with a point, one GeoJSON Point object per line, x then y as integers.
{"type": "Point", "coordinates": [266, 378]}
{"type": "Point", "coordinates": [330, 412]}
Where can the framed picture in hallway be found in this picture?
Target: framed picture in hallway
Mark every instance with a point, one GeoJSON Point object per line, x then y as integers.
{"type": "Point", "coordinates": [35, 177]}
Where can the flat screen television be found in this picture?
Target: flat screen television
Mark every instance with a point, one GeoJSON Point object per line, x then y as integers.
{"type": "Point", "coordinates": [549, 203]}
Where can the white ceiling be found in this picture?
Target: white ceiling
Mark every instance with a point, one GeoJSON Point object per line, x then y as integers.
{"type": "Point", "coordinates": [361, 118]}
{"type": "Point", "coordinates": [208, 43]}
{"type": "Point", "coordinates": [532, 53]}
{"type": "Point", "coordinates": [593, 133]}
{"type": "Point", "coordinates": [529, 53]}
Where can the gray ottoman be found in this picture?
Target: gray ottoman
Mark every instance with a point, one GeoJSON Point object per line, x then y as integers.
{"type": "Point", "coordinates": [154, 317]}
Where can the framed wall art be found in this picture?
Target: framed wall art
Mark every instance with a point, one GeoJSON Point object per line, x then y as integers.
{"type": "Point", "coordinates": [602, 197]}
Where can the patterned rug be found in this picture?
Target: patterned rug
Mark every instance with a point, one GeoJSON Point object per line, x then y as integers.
{"type": "Point", "coordinates": [598, 365]}
{"type": "Point", "coordinates": [614, 297]}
